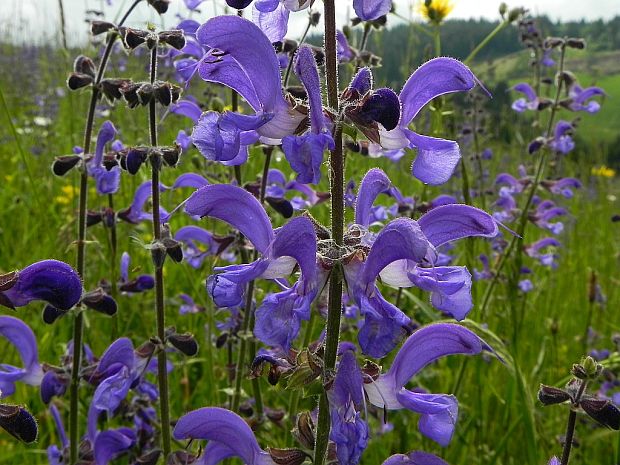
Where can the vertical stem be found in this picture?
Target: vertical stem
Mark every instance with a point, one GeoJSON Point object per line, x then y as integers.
{"type": "Point", "coordinates": [160, 309]}
{"type": "Point", "coordinates": [337, 229]}
{"type": "Point", "coordinates": [78, 323]}
{"type": "Point", "coordinates": [570, 426]}
{"type": "Point", "coordinates": [517, 241]}
{"type": "Point", "coordinates": [485, 41]}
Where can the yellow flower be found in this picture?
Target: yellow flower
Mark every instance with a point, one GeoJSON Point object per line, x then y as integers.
{"type": "Point", "coordinates": [435, 11]}
{"type": "Point", "coordinates": [603, 171]}
{"type": "Point", "coordinates": [68, 193]}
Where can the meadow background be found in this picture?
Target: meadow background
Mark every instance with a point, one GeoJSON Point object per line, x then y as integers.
{"type": "Point", "coordinates": [501, 422]}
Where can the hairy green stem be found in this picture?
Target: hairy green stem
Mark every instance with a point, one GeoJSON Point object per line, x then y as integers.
{"type": "Point", "coordinates": [160, 305]}
{"type": "Point", "coordinates": [336, 164]}
{"type": "Point", "coordinates": [78, 324]}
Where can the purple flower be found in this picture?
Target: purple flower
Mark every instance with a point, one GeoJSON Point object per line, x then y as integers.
{"type": "Point", "coordinates": [562, 141]}
{"type": "Point", "coordinates": [581, 98]}
{"type": "Point", "coordinates": [438, 411]}
{"type": "Point", "coordinates": [106, 180]}
{"type": "Point", "coordinates": [19, 334]}
{"type": "Point", "coordinates": [305, 153]}
{"type": "Point", "coordinates": [51, 281]}
{"type": "Point", "coordinates": [227, 433]}
{"type": "Point", "coordinates": [530, 102]}
{"type": "Point", "coordinates": [135, 212]}
{"type": "Point", "coordinates": [404, 254]}
{"type": "Point", "coordinates": [546, 259]}
{"type": "Point", "coordinates": [279, 317]}
{"type": "Point", "coordinates": [437, 158]}
{"type": "Point", "coordinates": [190, 236]}
{"type": "Point", "coordinates": [525, 285]}
{"type": "Point", "coordinates": [241, 57]}
{"type": "Point", "coordinates": [367, 10]}
{"type": "Point", "coordinates": [414, 458]}
{"type": "Point", "coordinates": [189, 306]}
{"type": "Point", "coordinates": [563, 186]}
{"type": "Point", "coordinates": [346, 398]}
{"type": "Point", "coordinates": [141, 283]}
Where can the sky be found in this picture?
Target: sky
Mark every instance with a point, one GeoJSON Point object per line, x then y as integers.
{"type": "Point", "coordinates": [25, 19]}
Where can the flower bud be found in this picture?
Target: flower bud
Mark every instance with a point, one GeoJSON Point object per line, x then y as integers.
{"type": "Point", "coordinates": [161, 6]}
{"type": "Point", "coordinates": [514, 14]}
{"type": "Point", "coordinates": [304, 430]}
{"type": "Point", "coordinates": [550, 395]}
{"type": "Point", "coordinates": [99, 27]}
{"type": "Point", "coordinates": [552, 42]}
{"type": "Point", "coordinates": [185, 343]}
{"type": "Point", "coordinates": [18, 422]}
{"type": "Point", "coordinates": [99, 301]}
{"type": "Point", "coordinates": [503, 8]}
{"type": "Point", "coordinates": [577, 43]}
{"type": "Point", "coordinates": [175, 38]}
{"type": "Point", "coordinates": [76, 81]}
{"type": "Point", "coordinates": [287, 456]}
{"type": "Point", "coordinates": [601, 410]}
{"type": "Point", "coordinates": [150, 458]}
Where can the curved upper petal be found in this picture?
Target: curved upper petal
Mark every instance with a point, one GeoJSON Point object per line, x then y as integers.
{"type": "Point", "coordinates": [223, 426]}
{"type": "Point", "coordinates": [436, 77]}
{"type": "Point", "coordinates": [237, 207]}
{"type": "Point", "coordinates": [110, 444]}
{"type": "Point", "coordinates": [451, 222]}
{"type": "Point", "coordinates": [186, 108]}
{"type": "Point", "coordinates": [429, 343]}
{"type": "Point", "coordinates": [244, 43]}
{"type": "Point", "coordinates": [106, 134]}
{"type": "Point", "coordinates": [307, 72]}
{"type": "Point", "coordinates": [273, 23]}
{"type": "Point", "coordinates": [374, 183]}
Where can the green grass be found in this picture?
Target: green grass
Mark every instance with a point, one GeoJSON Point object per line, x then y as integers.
{"type": "Point", "coordinates": [500, 420]}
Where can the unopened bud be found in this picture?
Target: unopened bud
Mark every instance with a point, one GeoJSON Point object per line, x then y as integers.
{"type": "Point", "coordinates": [577, 43]}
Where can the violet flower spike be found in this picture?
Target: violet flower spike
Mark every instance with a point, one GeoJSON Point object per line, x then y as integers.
{"type": "Point", "coordinates": [228, 435]}
{"type": "Point", "coordinates": [438, 411]}
{"type": "Point", "coordinates": [437, 158]}
{"type": "Point", "coordinates": [279, 317]}
{"type": "Point", "coordinates": [305, 153]}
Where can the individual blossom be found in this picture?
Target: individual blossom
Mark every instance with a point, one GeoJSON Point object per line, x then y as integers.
{"type": "Point", "coordinates": [436, 158]}
{"type": "Point", "coordinates": [438, 412]}
{"type": "Point", "coordinates": [534, 250]}
{"type": "Point", "coordinates": [530, 100]}
{"type": "Point", "coordinates": [581, 99]}
{"type": "Point", "coordinates": [305, 153]}
{"type": "Point", "coordinates": [562, 142]}
{"type": "Point", "coordinates": [343, 50]}
{"type": "Point", "coordinates": [241, 57]}
{"type": "Point", "coordinates": [435, 11]}
{"type": "Point", "coordinates": [140, 283]}
{"type": "Point", "coordinates": [228, 435]}
{"type": "Point", "coordinates": [107, 178]}
{"type": "Point", "coordinates": [544, 213]}
{"type": "Point", "coordinates": [279, 316]}
{"type": "Point", "coordinates": [51, 281]}
{"type": "Point", "coordinates": [20, 336]}
{"type": "Point", "coordinates": [403, 254]}
{"type": "Point", "coordinates": [603, 171]}
{"type": "Point", "coordinates": [191, 236]}
{"type": "Point", "coordinates": [563, 186]}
